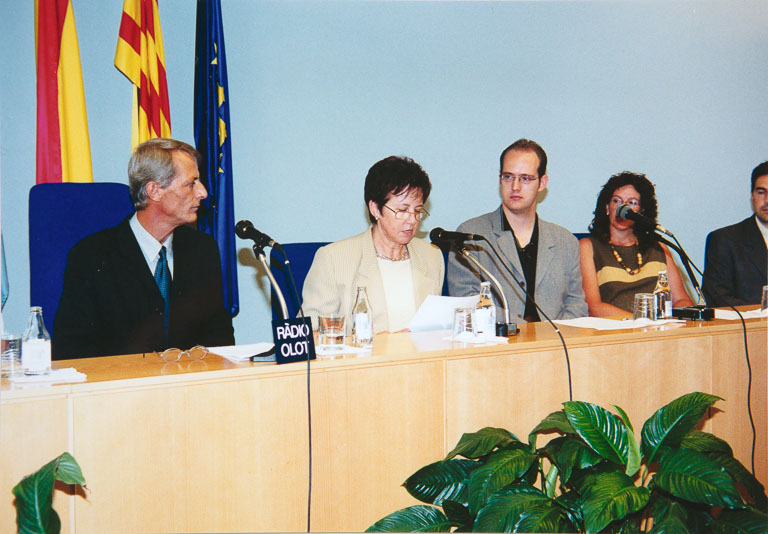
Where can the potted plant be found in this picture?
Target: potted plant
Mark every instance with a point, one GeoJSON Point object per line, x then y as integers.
{"type": "Point", "coordinates": [594, 477]}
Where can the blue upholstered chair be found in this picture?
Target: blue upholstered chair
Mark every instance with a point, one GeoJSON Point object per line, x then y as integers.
{"type": "Point", "coordinates": [60, 215]}
{"type": "Point", "coordinates": [300, 257]}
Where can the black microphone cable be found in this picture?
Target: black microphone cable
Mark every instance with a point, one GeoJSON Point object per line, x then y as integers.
{"type": "Point", "coordinates": [292, 283]}
{"type": "Point", "coordinates": [686, 262]}
{"type": "Point", "coordinates": [529, 296]}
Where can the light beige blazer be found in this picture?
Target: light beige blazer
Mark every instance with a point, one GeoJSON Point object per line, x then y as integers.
{"type": "Point", "coordinates": [341, 267]}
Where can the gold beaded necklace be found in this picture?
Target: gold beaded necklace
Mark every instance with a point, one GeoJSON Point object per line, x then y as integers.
{"type": "Point", "coordinates": [631, 272]}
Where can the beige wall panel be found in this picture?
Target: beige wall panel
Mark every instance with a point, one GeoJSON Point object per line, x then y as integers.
{"type": "Point", "coordinates": [32, 434]}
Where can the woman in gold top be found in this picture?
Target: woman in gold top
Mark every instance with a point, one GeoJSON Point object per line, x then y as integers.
{"type": "Point", "coordinates": [619, 260]}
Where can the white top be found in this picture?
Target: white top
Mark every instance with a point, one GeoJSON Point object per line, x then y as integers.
{"type": "Point", "coordinates": [150, 246]}
{"type": "Point", "coordinates": [397, 279]}
{"type": "Point", "coordinates": [763, 230]}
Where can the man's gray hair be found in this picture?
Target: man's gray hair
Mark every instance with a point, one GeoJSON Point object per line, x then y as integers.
{"type": "Point", "coordinates": [152, 161]}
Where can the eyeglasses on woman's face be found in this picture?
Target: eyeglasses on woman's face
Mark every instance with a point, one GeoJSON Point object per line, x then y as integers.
{"type": "Point", "coordinates": [420, 214]}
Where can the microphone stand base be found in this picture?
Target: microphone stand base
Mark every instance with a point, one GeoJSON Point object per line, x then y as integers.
{"type": "Point", "coordinates": [506, 329]}
{"type": "Point", "coordinates": [694, 313]}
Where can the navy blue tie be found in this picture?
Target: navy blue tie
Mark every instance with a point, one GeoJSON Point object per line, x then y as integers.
{"type": "Point", "coordinates": [163, 281]}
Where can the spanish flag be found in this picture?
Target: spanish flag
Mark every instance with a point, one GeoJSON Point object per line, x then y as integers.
{"type": "Point", "coordinates": [63, 147]}
{"type": "Point", "coordinates": [141, 57]}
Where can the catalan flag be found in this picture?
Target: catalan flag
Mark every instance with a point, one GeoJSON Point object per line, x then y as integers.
{"type": "Point", "coordinates": [141, 57]}
{"type": "Point", "coordinates": [63, 147]}
{"type": "Point", "coordinates": [212, 137]}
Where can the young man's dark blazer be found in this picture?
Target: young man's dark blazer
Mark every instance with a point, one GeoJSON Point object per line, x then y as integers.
{"type": "Point", "coordinates": [735, 265]}
{"type": "Point", "coordinates": [111, 305]}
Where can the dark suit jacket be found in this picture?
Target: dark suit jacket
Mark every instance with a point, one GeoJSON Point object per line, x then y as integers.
{"type": "Point", "coordinates": [111, 305]}
{"type": "Point", "coordinates": [735, 265]}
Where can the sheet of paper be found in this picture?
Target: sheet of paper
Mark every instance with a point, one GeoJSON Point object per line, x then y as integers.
{"type": "Point", "coordinates": [601, 323]}
{"type": "Point", "coordinates": [68, 374]}
{"type": "Point", "coordinates": [436, 313]}
{"type": "Point", "coordinates": [731, 315]}
{"type": "Point", "coordinates": [242, 353]}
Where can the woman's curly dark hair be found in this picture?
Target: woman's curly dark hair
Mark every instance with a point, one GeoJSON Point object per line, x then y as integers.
{"type": "Point", "coordinates": [599, 227]}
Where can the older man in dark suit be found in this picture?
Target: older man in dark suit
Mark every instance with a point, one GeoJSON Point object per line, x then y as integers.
{"type": "Point", "coordinates": [151, 282]}
{"type": "Point", "coordinates": [736, 257]}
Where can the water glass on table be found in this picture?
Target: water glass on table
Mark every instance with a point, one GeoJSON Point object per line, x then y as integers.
{"type": "Point", "coordinates": [331, 331]}
{"type": "Point", "coordinates": [464, 327]}
{"type": "Point", "coordinates": [10, 355]}
{"type": "Point", "coordinates": [645, 306]}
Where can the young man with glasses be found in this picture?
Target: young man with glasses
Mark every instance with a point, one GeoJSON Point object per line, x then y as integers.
{"type": "Point", "coordinates": [542, 256]}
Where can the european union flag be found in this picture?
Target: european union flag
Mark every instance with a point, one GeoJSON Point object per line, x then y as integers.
{"type": "Point", "coordinates": [212, 138]}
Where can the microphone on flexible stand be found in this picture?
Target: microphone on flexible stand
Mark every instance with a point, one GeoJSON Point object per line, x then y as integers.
{"type": "Point", "coordinates": [245, 230]}
{"type": "Point", "coordinates": [440, 235]}
{"type": "Point", "coordinates": [628, 214]}
{"type": "Point", "coordinates": [699, 311]}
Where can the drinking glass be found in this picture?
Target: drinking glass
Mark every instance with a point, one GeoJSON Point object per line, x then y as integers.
{"type": "Point", "coordinates": [645, 306]}
{"type": "Point", "coordinates": [10, 355]}
{"type": "Point", "coordinates": [331, 331]}
{"type": "Point", "coordinates": [464, 327]}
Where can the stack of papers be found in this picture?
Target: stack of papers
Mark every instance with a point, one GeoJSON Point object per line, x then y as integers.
{"type": "Point", "coordinates": [731, 315]}
{"type": "Point", "coordinates": [243, 353]}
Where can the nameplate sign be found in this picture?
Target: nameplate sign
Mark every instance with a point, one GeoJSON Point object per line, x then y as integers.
{"type": "Point", "coordinates": [293, 340]}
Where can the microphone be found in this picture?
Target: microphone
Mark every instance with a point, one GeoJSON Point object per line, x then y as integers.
{"type": "Point", "coordinates": [438, 234]}
{"type": "Point", "coordinates": [245, 230]}
{"type": "Point", "coordinates": [628, 214]}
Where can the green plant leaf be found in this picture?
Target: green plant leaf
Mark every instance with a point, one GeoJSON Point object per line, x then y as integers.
{"type": "Point", "coordinates": [634, 458]}
{"type": "Point", "coordinates": [477, 444]}
{"type": "Point", "coordinates": [419, 518]}
{"type": "Point", "coordinates": [551, 481]}
{"type": "Point", "coordinates": [602, 430]}
{"type": "Point", "coordinates": [694, 477]}
{"type": "Point", "coordinates": [504, 510]}
{"type": "Point", "coordinates": [696, 440]}
{"type": "Point", "coordinates": [68, 470]}
{"type": "Point", "coordinates": [740, 522]}
{"type": "Point", "coordinates": [554, 421]}
{"type": "Point", "coordinates": [674, 516]}
{"type": "Point", "coordinates": [442, 480]}
{"type": "Point", "coordinates": [502, 468]}
{"type": "Point", "coordinates": [458, 515]}
{"type": "Point", "coordinates": [612, 497]}
{"type": "Point", "coordinates": [545, 518]}
{"type": "Point", "coordinates": [34, 500]}
{"type": "Point", "coordinates": [571, 502]}
{"type": "Point", "coordinates": [670, 423]}
{"type": "Point", "coordinates": [34, 495]}
{"type": "Point", "coordinates": [742, 476]}
{"type": "Point", "coordinates": [569, 453]}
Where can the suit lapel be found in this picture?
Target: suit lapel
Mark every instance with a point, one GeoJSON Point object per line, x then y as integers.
{"type": "Point", "coordinates": [133, 258]}
{"type": "Point", "coordinates": [545, 256]}
{"type": "Point", "coordinates": [754, 246]}
{"type": "Point", "coordinates": [506, 245]}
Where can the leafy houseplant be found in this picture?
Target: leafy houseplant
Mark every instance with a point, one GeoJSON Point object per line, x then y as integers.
{"type": "Point", "coordinates": [594, 477]}
{"type": "Point", "coordinates": [34, 495]}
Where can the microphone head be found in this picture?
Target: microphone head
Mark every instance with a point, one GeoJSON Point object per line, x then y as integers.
{"type": "Point", "coordinates": [624, 212]}
{"type": "Point", "coordinates": [436, 235]}
{"type": "Point", "coordinates": [242, 227]}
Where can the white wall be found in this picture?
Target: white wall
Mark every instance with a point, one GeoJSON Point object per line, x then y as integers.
{"type": "Point", "coordinates": [321, 90]}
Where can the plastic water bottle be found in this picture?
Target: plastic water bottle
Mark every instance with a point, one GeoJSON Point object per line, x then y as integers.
{"type": "Point", "coordinates": [36, 345]}
{"type": "Point", "coordinates": [362, 320]}
{"type": "Point", "coordinates": [663, 297]}
{"type": "Point", "coordinates": [485, 312]}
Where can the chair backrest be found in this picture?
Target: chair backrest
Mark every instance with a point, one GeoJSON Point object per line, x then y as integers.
{"type": "Point", "coordinates": [60, 215]}
{"type": "Point", "coordinates": [300, 256]}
